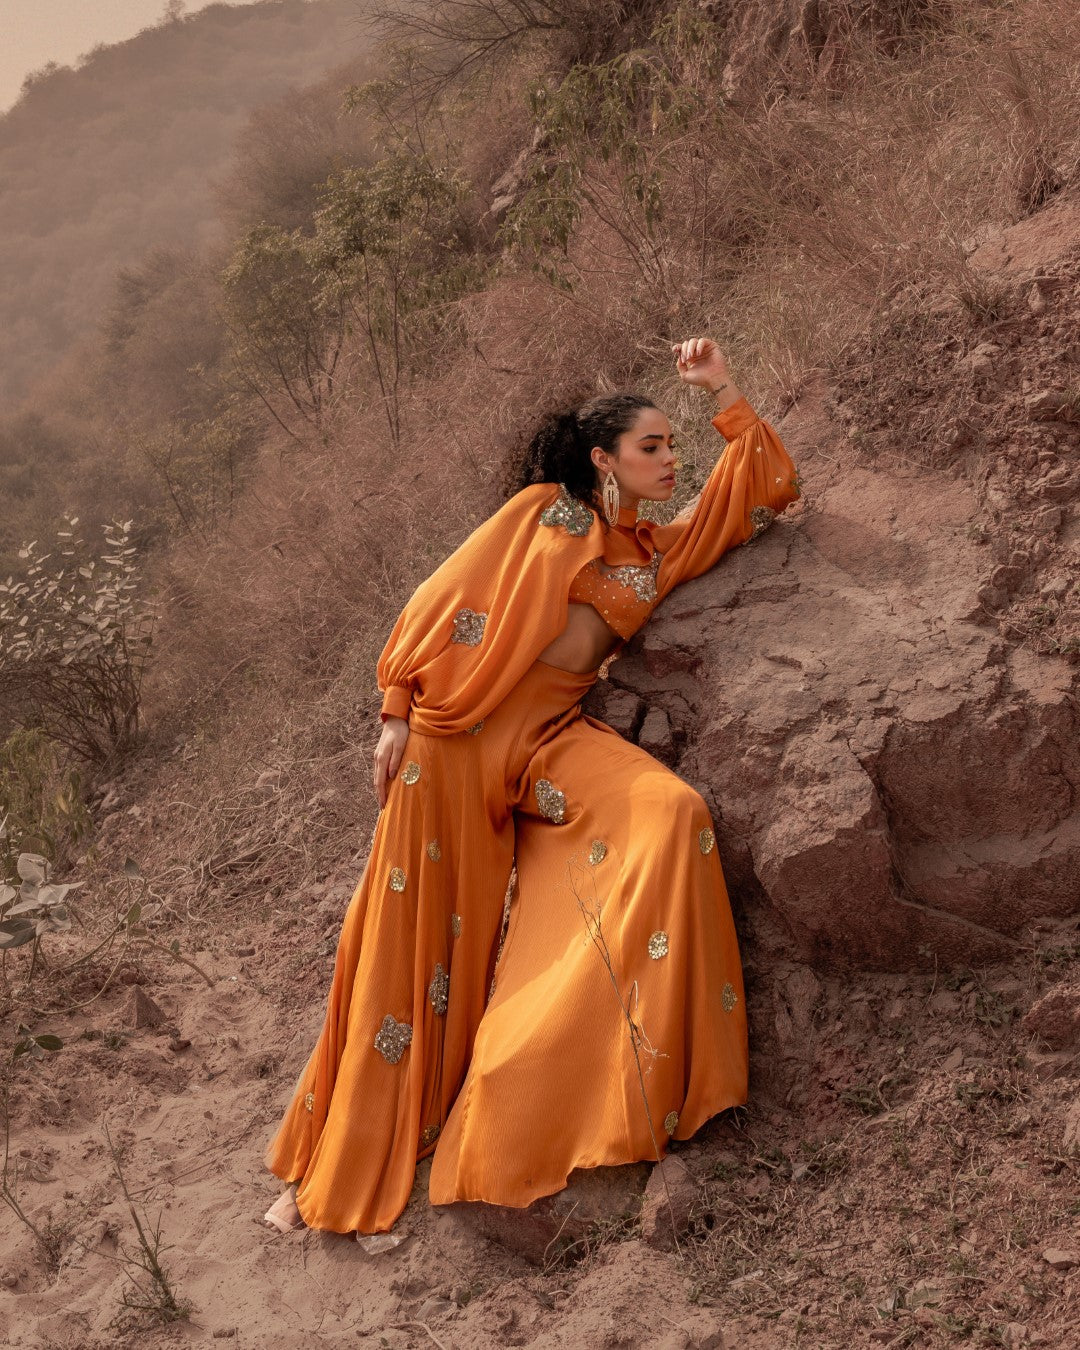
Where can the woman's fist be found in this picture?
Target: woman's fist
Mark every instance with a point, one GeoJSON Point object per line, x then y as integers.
{"type": "Point", "coordinates": [388, 754]}
{"type": "Point", "coordinates": [700, 361]}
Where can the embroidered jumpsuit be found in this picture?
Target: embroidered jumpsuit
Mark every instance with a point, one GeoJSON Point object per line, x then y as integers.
{"type": "Point", "coordinates": [613, 1016]}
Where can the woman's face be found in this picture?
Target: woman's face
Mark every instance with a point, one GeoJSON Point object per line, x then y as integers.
{"type": "Point", "coordinates": [645, 463]}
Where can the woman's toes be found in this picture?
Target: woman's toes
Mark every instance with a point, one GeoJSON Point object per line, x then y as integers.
{"type": "Point", "coordinates": [283, 1213]}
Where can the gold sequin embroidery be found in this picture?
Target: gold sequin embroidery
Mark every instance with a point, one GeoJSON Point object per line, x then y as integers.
{"type": "Point", "coordinates": [641, 580]}
{"type": "Point", "coordinates": [429, 1135]}
{"type": "Point", "coordinates": [434, 852]}
{"type": "Point", "coordinates": [309, 1101]}
{"type": "Point", "coordinates": [728, 996]}
{"type": "Point", "coordinates": [598, 852]}
{"type": "Point", "coordinates": [392, 1038]}
{"type": "Point", "coordinates": [455, 924]}
{"type": "Point", "coordinates": [439, 989]}
{"type": "Point", "coordinates": [568, 511]}
{"type": "Point", "coordinates": [397, 879]}
{"type": "Point", "coordinates": [706, 839]}
{"type": "Point", "coordinates": [550, 800]}
{"type": "Point", "coordinates": [761, 517]}
{"type": "Point", "coordinates": [469, 627]}
{"type": "Point", "coordinates": [671, 1120]}
{"type": "Point", "coordinates": [658, 945]}
{"type": "Point", "coordinates": [411, 773]}
{"type": "Point", "coordinates": [476, 728]}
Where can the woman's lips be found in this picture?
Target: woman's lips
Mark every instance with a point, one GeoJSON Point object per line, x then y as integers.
{"type": "Point", "coordinates": [669, 479]}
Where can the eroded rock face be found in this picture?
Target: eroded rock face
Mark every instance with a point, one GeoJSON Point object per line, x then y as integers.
{"type": "Point", "coordinates": [889, 777]}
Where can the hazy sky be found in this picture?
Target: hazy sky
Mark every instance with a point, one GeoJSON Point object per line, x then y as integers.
{"type": "Point", "coordinates": [35, 31]}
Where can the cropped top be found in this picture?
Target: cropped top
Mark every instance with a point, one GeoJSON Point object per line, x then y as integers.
{"type": "Point", "coordinates": [624, 596]}
{"type": "Point", "coordinates": [470, 631]}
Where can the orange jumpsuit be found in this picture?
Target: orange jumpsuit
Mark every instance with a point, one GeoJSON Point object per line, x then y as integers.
{"type": "Point", "coordinates": [613, 1018]}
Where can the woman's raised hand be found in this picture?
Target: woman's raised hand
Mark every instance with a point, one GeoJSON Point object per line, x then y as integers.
{"type": "Point", "coordinates": [700, 361]}
{"type": "Point", "coordinates": [388, 754]}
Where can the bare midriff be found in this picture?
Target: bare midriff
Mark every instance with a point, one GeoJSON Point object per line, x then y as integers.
{"type": "Point", "coordinates": [583, 644]}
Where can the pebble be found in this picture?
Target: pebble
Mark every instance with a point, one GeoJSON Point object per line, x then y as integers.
{"type": "Point", "coordinates": [1060, 1259]}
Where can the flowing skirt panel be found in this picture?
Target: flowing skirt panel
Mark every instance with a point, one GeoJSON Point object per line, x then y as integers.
{"type": "Point", "coordinates": [620, 903]}
{"type": "Point", "coordinates": [617, 1019]}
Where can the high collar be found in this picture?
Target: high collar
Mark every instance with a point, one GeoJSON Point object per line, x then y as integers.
{"type": "Point", "coordinates": [628, 516]}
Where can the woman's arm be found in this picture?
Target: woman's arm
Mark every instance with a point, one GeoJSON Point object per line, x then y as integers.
{"type": "Point", "coordinates": [753, 480]}
{"type": "Point", "coordinates": [388, 754]}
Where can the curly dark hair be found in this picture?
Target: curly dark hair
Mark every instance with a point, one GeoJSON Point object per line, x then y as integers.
{"type": "Point", "coordinates": [558, 450]}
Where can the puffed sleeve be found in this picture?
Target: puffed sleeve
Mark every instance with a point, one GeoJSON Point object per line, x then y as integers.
{"type": "Point", "coordinates": [752, 482]}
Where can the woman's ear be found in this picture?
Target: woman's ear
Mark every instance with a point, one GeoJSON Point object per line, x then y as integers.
{"type": "Point", "coordinates": [600, 458]}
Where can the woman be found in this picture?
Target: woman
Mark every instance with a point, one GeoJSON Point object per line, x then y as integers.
{"type": "Point", "coordinates": [486, 764]}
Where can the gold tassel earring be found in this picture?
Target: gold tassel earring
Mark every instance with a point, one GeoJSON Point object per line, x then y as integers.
{"type": "Point", "coordinates": [611, 498]}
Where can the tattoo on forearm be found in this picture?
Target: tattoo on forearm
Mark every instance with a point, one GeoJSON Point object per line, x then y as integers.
{"type": "Point", "coordinates": [720, 388]}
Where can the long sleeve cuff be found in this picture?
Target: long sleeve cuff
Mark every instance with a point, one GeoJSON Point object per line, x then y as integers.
{"type": "Point", "coordinates": [397, 701]}
{"type": "Point", "coordinates": [733, 421]}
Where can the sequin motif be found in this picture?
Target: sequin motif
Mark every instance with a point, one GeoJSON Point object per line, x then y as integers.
{"type": "Point", "coordinates": [476, 728]}
{"type": "Point", "coordinates": [411, 773]}
{"type": "Point", "coordinates": [429, 1135]}
{"type": "Point", "coordinates": [455, 924]}
{"type": "Point", "coordinates": [392, 1038]}
{"type": "Point", "coordinates": [761, 517]}
{"type": "Point", "coordinates": [469, 627]}
{"type": "Point", "coordinates": [551, 801]}
{"type": "Point", "coordinates": [706, 839]}
{"type": "Point", "coordinates": [671, 1120]}
{"type": "Point", "coordinates": [397, 879]}
{"type": "Point", "coordinates": [658, 945]}
{"type": "Point", "coordinates": [439, 989]}
{"type": "Point", "coordinates": [598, 852]}
{"type": "Point", "coordinates": [641, 580]}
{"type": "Point", "coordinates": [728, 996]}
{"type": "Point", "coordinates": [309, 1101]}
{"type": "Point", "coordinates": [434, 852]}
{"type": "Point", "coordinates": [623, 596]}
{"type": "Point", "coordinates": [568, 511]}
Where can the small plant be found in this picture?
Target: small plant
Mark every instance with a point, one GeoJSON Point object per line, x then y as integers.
{"type": "Point", "coordinates": [152, 1295]}
{"type": "Point", "coordinates": [74, 644]}
{"type": "Point", "coordinates": [36, 908]}
{"type": "Point", "coordinates": [50, 1237]}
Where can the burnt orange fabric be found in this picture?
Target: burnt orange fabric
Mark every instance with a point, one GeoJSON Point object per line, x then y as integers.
{"type": "Point", "coordinates": [515, 1073]}
{"type": "Point", "coordinates": [517, 574]}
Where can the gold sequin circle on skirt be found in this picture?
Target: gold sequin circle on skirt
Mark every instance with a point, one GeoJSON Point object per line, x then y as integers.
{"type": "Point", "coordinates": [392, 1038]}
{"type": "Point", "coordinates": [706, 839]}
{"type": "Point", "coordinates": [397, 879]}
{"type": "Point", "coordinates": [429, 1135]}
{"type": "Point", "coordinates": [476, 728]}
{"type": "Point", "coordinates": [658, 945]}
{"type": "Point", "coordinates": [550, 800]}
{"type": "Point", "coordinates": [434, 852]}
{"type": "Point", "coordinates": [439, 989]}
{"type": "Point", "coordinates": [309, 1101]}
{"type": "Point", "coordinates": [598, 852]}
{"type": "Point", "coordinates": [455, 924]}
{"type": "Point", "coordinates": [728, 996]}
{"type": "Point", "coordinates": [671, 1120]}
{"type": "Point", "coordinates": [761, 517]}
{"type": "Point", "coordinates": [411, 773]}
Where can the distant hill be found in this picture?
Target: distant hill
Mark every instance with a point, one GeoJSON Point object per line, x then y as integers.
{"type": "Point", "coordinates": [102, 162]}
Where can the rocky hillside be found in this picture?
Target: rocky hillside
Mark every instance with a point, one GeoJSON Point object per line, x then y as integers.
{"type": "Point", "coordinates": [877, 696]}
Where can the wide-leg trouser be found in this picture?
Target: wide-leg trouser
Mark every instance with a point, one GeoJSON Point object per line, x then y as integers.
{"type": "Point", "coordinates": [613, 1021]}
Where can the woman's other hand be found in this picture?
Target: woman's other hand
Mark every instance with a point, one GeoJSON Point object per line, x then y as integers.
{"type": "Point", "coordinates": [388, 754]}
{"type": "Point", "coordinates": [700, 361]}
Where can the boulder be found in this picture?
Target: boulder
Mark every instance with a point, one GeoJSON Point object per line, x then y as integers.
{"type": "Point", "coordinates": [891, 778]}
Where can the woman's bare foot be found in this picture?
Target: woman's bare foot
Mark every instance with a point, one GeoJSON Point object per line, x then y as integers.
{"type": "Point", "coordinates": [283, 1214]}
